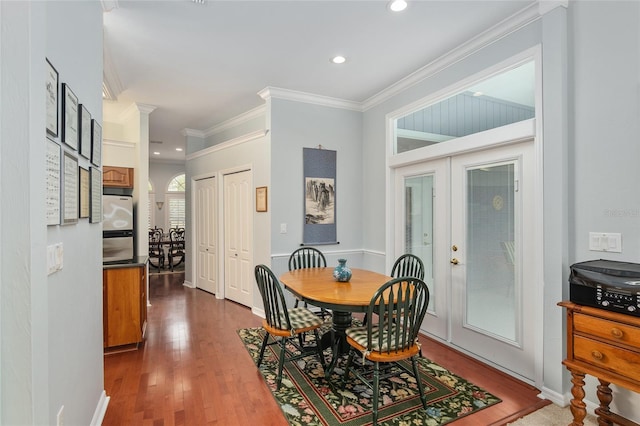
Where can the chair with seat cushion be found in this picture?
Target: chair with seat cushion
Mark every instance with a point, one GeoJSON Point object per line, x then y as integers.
{"type": "Point", "coordinates": [407, 265]}
{"type": "Point", "coordinates": [308, 257]}
{"type": "Point", "coordinates": [176, 248]}
{"type": "Point", "coordinates": [284, 325]}
{"type": "Point", "coordinates": [156, 248]}
{"type": "Point", "coordinates": [383, 342]}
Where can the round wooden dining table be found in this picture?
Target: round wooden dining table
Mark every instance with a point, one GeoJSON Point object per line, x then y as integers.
{"type": "Point", "coordinates": [317, 287]}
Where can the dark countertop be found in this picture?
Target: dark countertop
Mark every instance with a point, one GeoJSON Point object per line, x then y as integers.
{"type": "Point", "coordinates": [136, 261]}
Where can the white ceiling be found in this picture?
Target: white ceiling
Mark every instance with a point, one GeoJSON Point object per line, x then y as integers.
{"type": "Point", "coordinates": [203, 64]}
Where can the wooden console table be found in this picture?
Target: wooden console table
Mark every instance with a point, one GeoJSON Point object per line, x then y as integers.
{"type": "Point", "coordinates": [605, 345]}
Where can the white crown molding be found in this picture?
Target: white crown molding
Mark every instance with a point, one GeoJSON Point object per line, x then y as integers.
{"type": "Point", "coordinates": [236, 121]}
{"type": "Point", "coordinates": [546, 6]}
{"type": "Point", "coordinates": [228, 144]}
{"type": "Point", "coordinates": [120, 144]}
{"type": "Point", "coordinates": [111, 85]}
{"type": "Point", "coordinates": [498, 31]}
{"type": "Point", "coordinates": [309, 98]}
{"type": "Point", "coordinates": [166, 161]}
{"type": "Point", "coordinates": [146, 108]}
{"type": "Point", "coordinates": [134, 108]}
{"type": "Point", "coordinates": [193, 133]}
{"type": "Point", "coordinates": [109, 5]}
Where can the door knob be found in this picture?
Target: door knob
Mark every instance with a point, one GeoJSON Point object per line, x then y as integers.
{"type": "Point", "coordinates": [454, 261]}
{"type": "Point", "coordinates": [454, 247]}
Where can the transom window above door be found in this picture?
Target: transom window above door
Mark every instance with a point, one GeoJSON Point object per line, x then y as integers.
{"type": "Point", "coordinates": [497, 101]}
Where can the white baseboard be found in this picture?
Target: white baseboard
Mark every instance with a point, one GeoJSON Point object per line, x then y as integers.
{"type": "Point", "coordinates": [563, 400]}
{"type": "Point", "coordinates": [101, 409]}
{"type": "Point", "coordinates": [555, 397]}
{"type": "Point", "coordinates": [188, 284]}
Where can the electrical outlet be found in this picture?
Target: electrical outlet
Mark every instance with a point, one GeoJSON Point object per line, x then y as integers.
{"type": "Point", "coordinates": [60, 417]}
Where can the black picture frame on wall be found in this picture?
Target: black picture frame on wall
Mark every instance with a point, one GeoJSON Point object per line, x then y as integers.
{"type": "Point", "coordinates": [70, 189]}
{"type": "Point", "coordinates": [84, 193]}
{"type": "Point", "coordinates": [69, 117]}
{"type": "Point", "coordinates": [51, 90]}
{"type": "Point", "coordinates": [96, 143]}
{"type": "Point", "coordinates": [95, 202]}
{"type": "Point", "coordinates": [85, 130]}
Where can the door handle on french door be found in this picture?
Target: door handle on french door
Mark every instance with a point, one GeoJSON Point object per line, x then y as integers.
{"type": "Point", "coordinates": [454, 261]}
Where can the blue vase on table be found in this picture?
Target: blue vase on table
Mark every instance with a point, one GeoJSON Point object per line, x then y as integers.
{"type": "Point", "coordinates": [342, 272]}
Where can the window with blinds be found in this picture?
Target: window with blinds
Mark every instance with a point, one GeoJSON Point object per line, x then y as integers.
{"type": "Point", "coordinates": [175, 202]}
{"type": "Point", "coordinates": [175, 210]}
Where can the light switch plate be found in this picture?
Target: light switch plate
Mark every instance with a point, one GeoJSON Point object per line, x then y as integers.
{"type": "Point", "coordinates": [605, 241]}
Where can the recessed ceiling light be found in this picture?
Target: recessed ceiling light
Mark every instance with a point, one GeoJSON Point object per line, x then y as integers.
{"type": "Point", "coordinates": [338, 59]}
{"type": "Point", "coordinates": [398, 5]}
{"type": "Point", "coordinates": [156, 153]}
{"type": "Point", "coordinates": [478, 93]}
{"type": "Point", "coordinates": [178, 149]}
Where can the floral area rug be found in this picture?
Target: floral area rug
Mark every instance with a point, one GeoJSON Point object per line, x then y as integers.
{"type": "Point", "coordinates": [306, 397]}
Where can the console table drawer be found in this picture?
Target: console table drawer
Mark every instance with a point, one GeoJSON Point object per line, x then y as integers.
{"type": "Point", "coordinates": [614, 332]}
{"type": "Point", "coordinates": [609, 357]}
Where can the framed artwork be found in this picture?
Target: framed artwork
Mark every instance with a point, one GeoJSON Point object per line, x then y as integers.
{"type": "Point", "coordinates": [51, 89]}
{"type": "Point", "coordinates": [52, 191]}
{"type": "Point", "coordinates": [84, 121]}
{"type": "Point", "coordinates": [319, 196]}
{"type": "Point", "coordinates": [261, 199]}
{"type": "Point", "coordinates": [95, 205]}
{"type": "Point", "coordinates": [70, 189]}
{"type": "Point", "coordinates": [84, 192]}
{"type": "Point", "coordinates": [96, 143]}
{"type": "Point", "coordinates": [69, 117]}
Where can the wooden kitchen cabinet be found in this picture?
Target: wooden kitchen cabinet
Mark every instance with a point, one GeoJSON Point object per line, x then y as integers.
{"type": "Point", "coordinates": [605, 345]}
{"type": "Point", "coordinates": [117, 177]}
{"type": "Point", "coordinates": [124, 305]}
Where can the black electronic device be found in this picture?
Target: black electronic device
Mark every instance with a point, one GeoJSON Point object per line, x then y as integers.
{"type": "Point", "coordinates": [606, 284]}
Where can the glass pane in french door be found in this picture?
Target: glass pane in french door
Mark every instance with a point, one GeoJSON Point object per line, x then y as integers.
{"type": "Point", "coordinates": [491, 277]}
{"type": "Point", "coordinates": [419, 225]}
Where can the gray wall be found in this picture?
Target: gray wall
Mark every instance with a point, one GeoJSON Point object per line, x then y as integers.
{"type": "Point", "coordinates": [604, 105]}
{"type": "Point", "coordinates": [51, 326]}
{"type": "Point", "coordinates": [296, 125]}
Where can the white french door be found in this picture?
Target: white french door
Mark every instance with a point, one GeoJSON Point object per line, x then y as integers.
{"type": "Point", "coordinates": [470, 218]}
{"type": "Point", "coordinates": [205, 233]}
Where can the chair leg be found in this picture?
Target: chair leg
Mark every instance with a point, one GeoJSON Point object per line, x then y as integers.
{"type": "Point", "coordinates": [283, 344]}
{"type": "Point", "coordinates": [264, 346]}
{"type": "Point", "coordinates": [319, 348]}
{"type": "Point", "coordinates": [416, 373]}
{"type": "Point", "coordinates": [345, 377]}
{"type": "Point", "coordinates": [376, 389]}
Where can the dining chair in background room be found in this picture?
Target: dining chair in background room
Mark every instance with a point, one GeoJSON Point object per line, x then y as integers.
{"type": "Point", "coordinates": [283, 325]}
{"type": "Point", "coordinates": [308, 257]}
{"type": "Point", "coordinates": [156, 248]}
{"type": "Point", "coordinates": [387, 342]}
{"type": "Point", "coordinates": [407, 265]}
{"type": "Point", "coordinates": [176, 247]}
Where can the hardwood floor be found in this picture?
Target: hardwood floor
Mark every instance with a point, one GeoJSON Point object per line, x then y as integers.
{"type": "Point", "coordinates": [193, 369]}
